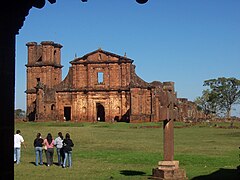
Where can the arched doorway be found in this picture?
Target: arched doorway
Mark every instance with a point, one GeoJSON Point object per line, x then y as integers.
{"type": "Point", "coordinates": [100, 112]}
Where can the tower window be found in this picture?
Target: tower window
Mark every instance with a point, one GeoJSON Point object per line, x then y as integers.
{"type": "Point", "coordinates": [38, 79]}
{"type": "Point", "coordinates": [39, 59]}
{"type": "Point", "coordinates": [100, 77]}
{"type": "Point", "coordinates": [52, 107]}
{"type": "Point", "coordinates": [38, 83]}
{"type": "Point", "coordinates": [54, 56]}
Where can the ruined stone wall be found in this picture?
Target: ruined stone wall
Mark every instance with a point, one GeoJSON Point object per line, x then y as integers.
{"type": "Point", "coordinates": [188, 111]}
{"type": "Point", "coordinates": [31, 106]}
{"type": "Point", "coordinates": [44, 64]}
{"type": "Point", "coordinates": [48, 76]}
{"type": "Point", "coordinates": [141, 105]}
{"type": "Point", "coordinates": [100, 86]}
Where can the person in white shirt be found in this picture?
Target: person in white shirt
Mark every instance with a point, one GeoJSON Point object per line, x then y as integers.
{"type": "Point", "coordinates": [58, 143]}
{"type": "Point", "coordinates": [18, 141]}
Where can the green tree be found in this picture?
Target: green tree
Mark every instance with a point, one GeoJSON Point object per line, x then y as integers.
{"type": "Point", "coordinates": [19, 113]}
{"type": "Point", "coordinates": [206, 103]}
{"type": "Point", "coordinates": [225, 92]}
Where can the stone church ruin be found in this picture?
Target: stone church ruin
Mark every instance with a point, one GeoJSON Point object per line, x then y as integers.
{"type": "Point", "coordinates": [99, 86]}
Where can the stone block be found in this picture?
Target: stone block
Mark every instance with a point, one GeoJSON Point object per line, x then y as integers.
{"type": "Point", "coordinates": [168, 165]}
{"type": "Point", "coordinates": [177, 174]}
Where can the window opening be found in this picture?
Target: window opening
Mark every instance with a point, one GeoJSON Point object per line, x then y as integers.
{"type": "Point", "coordinates": [100, 77]}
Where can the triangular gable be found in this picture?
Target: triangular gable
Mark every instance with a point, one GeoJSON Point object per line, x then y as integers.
{"type": "Point", "coordinates": [101, 56]}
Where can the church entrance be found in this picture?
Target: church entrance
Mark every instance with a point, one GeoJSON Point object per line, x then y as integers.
{"type": "Point", "coordinates": [67, 113]}
{"type": "Point", "coordinates": [100, 112]}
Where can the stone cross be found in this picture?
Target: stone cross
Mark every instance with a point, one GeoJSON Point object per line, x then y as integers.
{"type": "Point", "coordinates": [169, 168]}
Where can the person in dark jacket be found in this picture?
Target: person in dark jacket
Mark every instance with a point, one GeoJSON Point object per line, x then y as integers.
{"type": "Point", "coordinates": [38, 143]}
{"type": "Point", "coordinates": [67, 149]}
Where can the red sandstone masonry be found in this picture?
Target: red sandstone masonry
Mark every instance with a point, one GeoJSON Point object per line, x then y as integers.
{"type": "Point", "coordinates": [80, 97]}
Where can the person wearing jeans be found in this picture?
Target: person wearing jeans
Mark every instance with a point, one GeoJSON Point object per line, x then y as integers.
{"type": "Point", "coordinates": [67, 158]}
{"type": "Point", "coordinates": [17, 155]}
{"type": "Point", "coordinates": [38, 152]}
{"type": "Point", "coordinates": [38, 143]}
{"type": "Point", "coordinates": [58, 143]}
{"type": "Point", "coordinates": [67, 149]}
{"type": "Point", "coordinates": [18, 140]}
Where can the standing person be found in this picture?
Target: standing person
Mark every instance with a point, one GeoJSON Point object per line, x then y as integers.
{"type": "Point", "coordinates": [38, 143]}
{"type": "Point", "coordinates": [58, 142]}
{"type": "Point", "coordinates": [49, 143]}
{"type": "Point", "coordinates": [67, 149]}
{"type": "Point", "coordinates": [18, 140]}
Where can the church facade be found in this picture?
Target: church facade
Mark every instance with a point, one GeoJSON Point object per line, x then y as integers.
{"type": "Point", "coordinates": [99, 86]}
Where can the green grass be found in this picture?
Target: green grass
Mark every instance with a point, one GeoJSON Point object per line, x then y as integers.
{"type": "Point", "coordinates": [131, 151]}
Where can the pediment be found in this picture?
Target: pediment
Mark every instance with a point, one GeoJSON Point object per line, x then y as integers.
{"type": "Point", "coordinates": [101, 56]}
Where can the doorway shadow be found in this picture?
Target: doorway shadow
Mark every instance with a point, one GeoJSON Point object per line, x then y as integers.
{"type": "Point", "coordinates": [221, 174]}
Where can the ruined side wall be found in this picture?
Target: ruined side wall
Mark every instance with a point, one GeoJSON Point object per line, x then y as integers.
{"type": "Point", "coordinates": [141, 103]}
{"type": "Point", "coordinates": [188, 111]}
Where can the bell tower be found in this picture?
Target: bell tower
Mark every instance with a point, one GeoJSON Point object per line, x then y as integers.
{"type": "Point", "coordinates": [44, 64]}
{"type": "Point", "coordinates": [43, 69]}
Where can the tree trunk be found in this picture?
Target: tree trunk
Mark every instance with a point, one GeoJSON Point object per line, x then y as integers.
{"type": "Point", "coordinates": [228, 115]}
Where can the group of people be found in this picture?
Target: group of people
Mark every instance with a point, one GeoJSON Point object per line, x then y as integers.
{"type": "Point", "coordinates": [63, 147]}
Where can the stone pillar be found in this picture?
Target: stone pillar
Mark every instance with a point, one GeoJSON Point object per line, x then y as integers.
{"type": "Point", "coordinates": [168, 138]}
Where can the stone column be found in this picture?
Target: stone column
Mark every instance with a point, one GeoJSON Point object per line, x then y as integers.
{"type": "Point", "coordinates": [168, 138]}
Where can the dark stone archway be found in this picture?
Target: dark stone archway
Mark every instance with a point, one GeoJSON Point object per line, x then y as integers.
{"type": "Point", "coordinates": [100, 112]}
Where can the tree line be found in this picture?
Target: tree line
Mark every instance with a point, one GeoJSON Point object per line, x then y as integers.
{"type": "Point", "coordinates": [219, 96]}
{"type": "Point", "coordinates": [19, 114]}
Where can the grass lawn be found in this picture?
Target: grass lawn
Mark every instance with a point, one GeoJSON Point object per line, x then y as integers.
{"type": "Point", "coordinates": [125, 151]}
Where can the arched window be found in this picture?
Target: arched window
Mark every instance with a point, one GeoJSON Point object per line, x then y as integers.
{"type": "Point", "coordinates": [52, 107]}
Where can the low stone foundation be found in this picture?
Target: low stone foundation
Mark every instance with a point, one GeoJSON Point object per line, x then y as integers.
{"type": "Point", "coordinates": [169, 170]}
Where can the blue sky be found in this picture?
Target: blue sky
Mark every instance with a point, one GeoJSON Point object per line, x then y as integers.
{"type": "Point", "coordinates": [184, 41]}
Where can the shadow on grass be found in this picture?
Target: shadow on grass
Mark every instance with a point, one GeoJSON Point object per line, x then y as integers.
{"type": "Point", "coordinates": [44, 164]}
{"type": "Point", "coordinates": [233, 174]}
{"type": "Point", "coordinates": [132, 173]}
